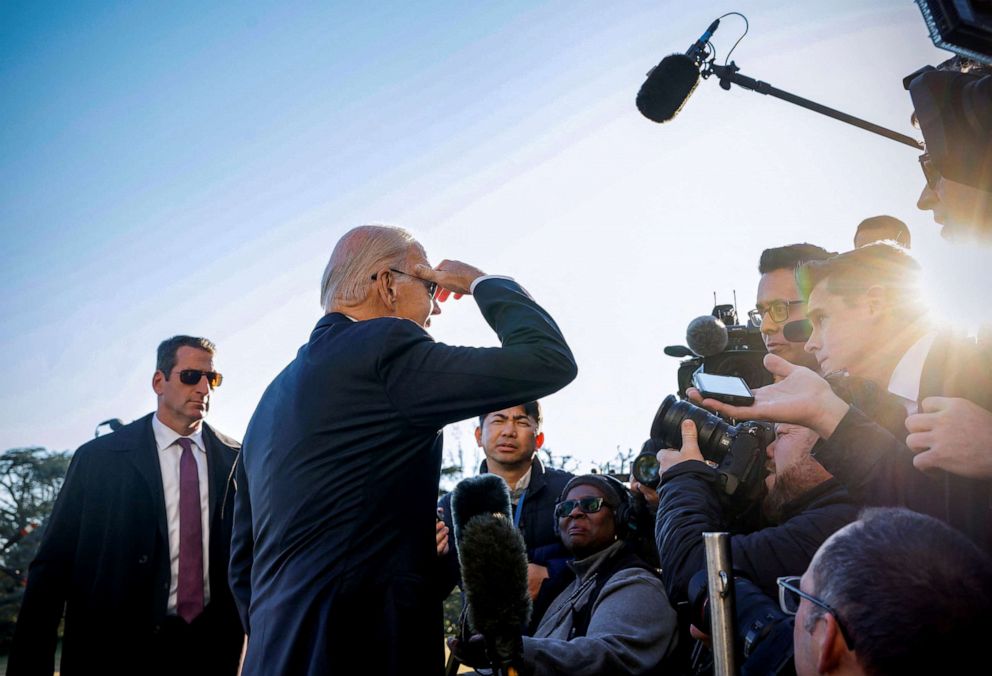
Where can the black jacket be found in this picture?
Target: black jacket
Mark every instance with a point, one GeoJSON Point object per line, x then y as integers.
{"type": "Point", "coordinates": [689, 505]}
{"type": "Point", "coordinates": [105, 558]}
{"type": "Point", "coordinates": [333, 553]}
{"type": "Point", "coordinates": [877, 467]}
{"type": "Point", "coordinates": [537, 523]}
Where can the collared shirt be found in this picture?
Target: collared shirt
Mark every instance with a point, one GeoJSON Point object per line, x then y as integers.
{"type": "Point", "coordinates": [906, 377]}
{"type": "Point", "coordinates": [169, 452]}
{"type": "Point", "coordinates": [522, 484]}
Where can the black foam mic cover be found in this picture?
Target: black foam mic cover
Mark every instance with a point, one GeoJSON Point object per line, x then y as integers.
{"type": "Point", "coordinates": [797, 331]}
{"type": "Point", "coordinates": [483, 494]}
{"type": "Point", "coordinates": [493, 560]}
{"type": "Point", "coordinates": [668, 87]}
{"type": "Point", "coordinates": [706, 336]}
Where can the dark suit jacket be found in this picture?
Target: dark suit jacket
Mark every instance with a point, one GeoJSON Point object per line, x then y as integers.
{"type": "Point", "coordinates": [877, 466]}
{"type": "Point", "coordinates": [104, 558]}
{"type": "Point", "coordinates": [334, 556]}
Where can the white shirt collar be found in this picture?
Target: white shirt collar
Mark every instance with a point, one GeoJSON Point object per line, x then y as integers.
{"type": "Point", "coordinates": [166, 436]}
{"type": "Point", "coordinates": [905, 380]}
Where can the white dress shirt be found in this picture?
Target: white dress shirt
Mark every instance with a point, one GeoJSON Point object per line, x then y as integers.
{"type": "Point", "coordinates": [906, 377]}
{"type": "Point", "coordinates": [169, 453]}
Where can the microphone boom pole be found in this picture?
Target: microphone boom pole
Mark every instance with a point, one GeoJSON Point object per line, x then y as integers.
{"type": "Point", "coordinates": [731, 74]}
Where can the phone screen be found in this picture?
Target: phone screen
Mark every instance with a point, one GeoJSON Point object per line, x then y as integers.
{"type": "Point", "coordinates": [726, 385]}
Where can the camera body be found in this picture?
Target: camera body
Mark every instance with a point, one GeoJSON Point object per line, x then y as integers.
{"type": "Point", "coordinates": [742, 357]}
{"type": "Point", "coordinates": [738, 451]}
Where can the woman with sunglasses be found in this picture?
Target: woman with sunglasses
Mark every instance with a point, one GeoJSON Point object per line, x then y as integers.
{"type": "Point", "coordinates": [611, 615]}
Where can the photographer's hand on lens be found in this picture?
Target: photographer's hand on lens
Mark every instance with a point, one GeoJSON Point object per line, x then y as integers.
{"type": "Point", "coordinates": [800, 397]}
{"type": "Point", "coordinates": [451, 277]}
{"type": "Point", "coordinates": [650, 494]}
{"type": "Point", "coordinates": [669, 457]}
{"type": "Point", "coordinates": [952, 434]}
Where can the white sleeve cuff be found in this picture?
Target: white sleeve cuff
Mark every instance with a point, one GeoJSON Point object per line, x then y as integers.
{"type": "Point", "coordinates": [471, 289]}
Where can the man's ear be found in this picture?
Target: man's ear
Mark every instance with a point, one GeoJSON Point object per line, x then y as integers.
{"type": "Point", "coordinates": [158, 382]}
{"type": "Point", "coordinates": [539, 440]}
{"type": "Point", "coordinates": [385, 287]}
{"type": "Point", "coordinates": [830, 645]}
{"type": "Point", "coordinates": [878, 299]}
{"type": "Point", "coordinates": [478, 436]}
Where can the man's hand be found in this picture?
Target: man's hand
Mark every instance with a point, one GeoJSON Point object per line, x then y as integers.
{"type": "Point", "coordinates": [536, 575]}
{"type": "Point", "coordinates": [800, 397]}
{"type": "Point", "coordinates": [452, 276]}
{"type": "Point", "coordinates": [442, 538]}
{"type": "Point", "coordinates": [650, 494]}
{"type": "Point", "coordinates": [669, 457]}
{"type": "Point", "coordinates": [954, 435]}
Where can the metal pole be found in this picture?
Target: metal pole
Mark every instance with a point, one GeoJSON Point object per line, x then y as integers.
{"type": "Point", "coordinates": [720, 583]}
{"type": "Point", "coordinates": [728, 74]}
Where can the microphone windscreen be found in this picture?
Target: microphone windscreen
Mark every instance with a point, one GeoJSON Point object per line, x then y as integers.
{"type": "Point", "coordinates": [668, 87]}
{"type": "Point", "coordinates": [493, 561]}
{"type": "Point", "coordinates": [797, 331]}
{"type": "Point", "coordinates": [483, 494]}
{"type": "Point", "coordinates": [706, 336]}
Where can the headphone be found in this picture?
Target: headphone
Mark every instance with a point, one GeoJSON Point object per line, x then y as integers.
{"type": "Point", "coordinates": [624, 517]}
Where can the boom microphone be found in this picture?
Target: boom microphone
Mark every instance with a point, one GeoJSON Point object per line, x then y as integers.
{"type": "Point", "coordinates": [706, 336]}
{"type": "Point", "coordinates": [493, 561]}
{"type": "Point", "coordinates": [671, 82]}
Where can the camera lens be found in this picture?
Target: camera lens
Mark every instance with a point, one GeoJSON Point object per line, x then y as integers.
{"type": "Point", "coordinates": [646, 469]}
{"type": "Point", "coordinates": [715, 436]}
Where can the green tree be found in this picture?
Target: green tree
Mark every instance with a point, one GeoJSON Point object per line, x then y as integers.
{"type": "Point", "coordinates": [30, 479]}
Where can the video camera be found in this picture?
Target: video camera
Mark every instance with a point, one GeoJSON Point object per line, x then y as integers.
{"type": "Point", "coordinates": [719, 344]}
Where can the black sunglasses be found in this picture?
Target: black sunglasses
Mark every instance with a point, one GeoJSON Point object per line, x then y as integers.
{"type": "Point", "coordinates": [431, 286]}
{"type": "Point", "coordinates": [588, 505]}
{"type": "Point", "coordinates": [192, 377]}
{"type": "Point", "coordinates": [789, 595]}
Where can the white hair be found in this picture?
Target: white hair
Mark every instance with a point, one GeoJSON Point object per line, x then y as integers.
{"type": "Point", "coordinates": [356, 257]}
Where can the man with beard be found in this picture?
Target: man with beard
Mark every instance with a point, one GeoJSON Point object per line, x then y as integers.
{"type": "Point", "coordinates": [804, 506]}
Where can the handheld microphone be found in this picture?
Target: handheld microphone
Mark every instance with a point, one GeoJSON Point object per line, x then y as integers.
{"type": "Point", "coordinates": [670, 84]}
{"type": "Point", "coordinates": [493, 559]}
{"type": "Point", "coordinates": [706, 336]}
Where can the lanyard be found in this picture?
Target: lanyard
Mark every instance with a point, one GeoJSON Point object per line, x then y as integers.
{"type": "Point", "coordinates": [519, 510]}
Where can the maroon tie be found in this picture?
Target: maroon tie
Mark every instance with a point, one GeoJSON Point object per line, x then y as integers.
{"type": "Point", "coordinates": [189, 597]}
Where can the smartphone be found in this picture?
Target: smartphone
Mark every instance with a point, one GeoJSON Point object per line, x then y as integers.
{"type": "Point", "coordinates": [728, 389]}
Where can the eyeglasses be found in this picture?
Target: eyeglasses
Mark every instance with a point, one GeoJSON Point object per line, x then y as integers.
{"type": "Point", "coordinates": [431, 286]}
{"type": "Point", "coordinates": [778, 310]}
{"type": "Point", "coordinates": [192, 377]}
{"type": "Point", "coordinates": [929, 171]}
{"type": "Point", "coordinates": [789, 596]}
{"type": "Point", "coordinates": [588, 505]}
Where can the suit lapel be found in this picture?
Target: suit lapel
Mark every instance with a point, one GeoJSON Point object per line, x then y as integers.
{"type": "Point", "coordinates": [219, 463]}
{"type": "Point", "coordinates": [144, 457]}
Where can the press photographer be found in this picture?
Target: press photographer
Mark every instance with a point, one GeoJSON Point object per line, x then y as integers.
{"type": "Point", "coordinates": [800, 501]}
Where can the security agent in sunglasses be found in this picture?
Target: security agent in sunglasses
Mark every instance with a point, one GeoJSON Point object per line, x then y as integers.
{"type": "Point", "coordinates": [895, 593]}
{"type": "Point", "coordinates": [136, 548]}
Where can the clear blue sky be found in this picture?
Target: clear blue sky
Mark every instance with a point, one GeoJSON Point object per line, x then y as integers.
{"type": "Point", "coordinates": [184, 167]}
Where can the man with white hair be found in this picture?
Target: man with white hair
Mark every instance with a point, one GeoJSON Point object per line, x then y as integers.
{"type": "Point", "coordinates": [334, 549]}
